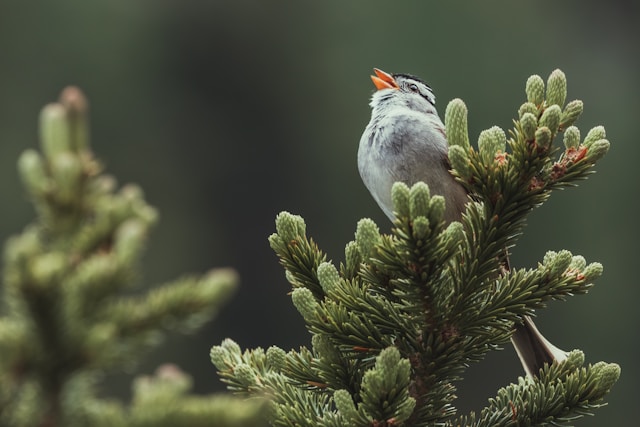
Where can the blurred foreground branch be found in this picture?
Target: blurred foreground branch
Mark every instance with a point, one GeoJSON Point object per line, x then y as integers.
{"type": "Point", "coordinates": [65, 321]}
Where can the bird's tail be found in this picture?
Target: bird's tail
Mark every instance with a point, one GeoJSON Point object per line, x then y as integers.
{"type": "Point", "coordinates": [533, 349]}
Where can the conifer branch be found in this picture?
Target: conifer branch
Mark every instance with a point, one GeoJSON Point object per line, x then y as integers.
{"type": "Point", "coordinates": [395, 326]}
{"type": "Point", "coordinates": [65, 319]}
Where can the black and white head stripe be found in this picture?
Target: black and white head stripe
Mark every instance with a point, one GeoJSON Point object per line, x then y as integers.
{"type": "Point", "coordinates": [410, 83]}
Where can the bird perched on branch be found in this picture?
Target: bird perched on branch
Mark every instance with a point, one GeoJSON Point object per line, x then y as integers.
{"type": "Point", "coordinates": [406, 141]}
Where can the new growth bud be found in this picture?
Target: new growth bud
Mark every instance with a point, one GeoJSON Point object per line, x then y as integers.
{"type": "Point", "coordinates": [67, 175]}
{"type": "Point", "coordinates": [455, 119]}
{"type": "Point", "coordinates": [556, 88]}
{"type": "Point", "coordinates": [344, 404]}
{"type": "Point", "coordinates": [543, 137]}
{"type": "Point", "coordinates": [571, 137]}
{"type": "Point", "coordinates": [276, 358]}
{"type": "Point", "coordinates": [32, 172]}
{"type": "Point", "coordinates": [551, 118]}
{"type": "Point", "coordinates": [77, 108]}
{"type": "Point", "coordinates": [290, 227]}
{"type": "Point", "coordinates": [352, 259]}
{"type": "Point", "coordinates": [592, 271]}
{"type": "Point", "coordinates": [528, 107]}
{"type": "Point", "coordinates": [597, 150]}
{"type": "Point", "coordinates": [595, 134]}
{"type": "Point", "coordinates": [459, 160]}
{"type": "Point", "coordinates": [535, 89]}
{"type": "Point", "coordinates": [529, 125]}
{"type": "Point", "coordinates": [571, 112]}
{"type": "Point", "coordinates": [491, 142]}
{"type": "Point", "coordinates": [400, 199]}
{"type": "Point", "coordinates": [328, 276]}
{"type": "Point", "coordinates": [54, 131]}
{"type": "Point", "coordinates": [367, 237]}
{"type": "Point", "coordinates": [419, 197]}
{"type": "Point", "coordinates": [305, 302]}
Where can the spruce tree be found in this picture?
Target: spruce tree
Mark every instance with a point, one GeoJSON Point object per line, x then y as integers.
{"type": "Point", "coordinates": [394, 326]}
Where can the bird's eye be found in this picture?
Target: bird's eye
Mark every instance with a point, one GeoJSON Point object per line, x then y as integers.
{"type": "Point", "coordinates": [413, 87]}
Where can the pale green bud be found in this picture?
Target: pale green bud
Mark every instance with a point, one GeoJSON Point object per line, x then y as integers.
{"type": "Point", "coordinates": [549, 257]}
{"type": "Point", "coordinates": [352, 258]}
{"type": "Point", "coordinates": [575, 360]}
{"type": "Point", "coordinates": [345, 406]}
{"type": "Point", "coordinates": [455, 119]}
{"type": "Point", "coordinates": [400, 199]}
{"type": "Point", "coordinates": [597, 150]}
{"type": "Point", "coordinates": [420, 227]}
{"type": "Point", "coordinates": [132, 193]}
{"type": "Point", "coordinates": [32, 172]}
{"type": "Point", "coordinates": [535, 89]}
{"type": "Point", "coordinates": [571, 112]}
{"type": "Point", "coordinates": [419, 197]}
{"type": "Point", "coordinates": [54, 130]}
{"type": "Point", "coordinates": [67, 175]}
{"type": "Point", "coordinates": [490, 142]}
{"type": "Point", "coordinates": [77, 108]}
{"type": "Point", "coordinates": [367, 237]}
{"type": "Point", "coordinates": [104, 184]}
{"type": "Point", "coordinates": [244, 374]}
{"type": "Point", "coordinates": [328, 276]}
{"type": "Point", "coordinates": [528, 107]}
{"type": "Point", "coordinates": [556, 88]}
{"type": "Point", "coordinates": [437, 207]}
{"type": "Point", "coordinates": [291, 278]}
{"type": "Point", "coordinates": [391, 365]}
{"type": "Point", "coordinates": [543, 137]}
{"type": "Point", "coordinates": [560, 263]}
{"type": "Point", "coordinates": [323, 347]}
{"type": "Point", "coordinates": [48, 268]}
{"type": "Point", "coordinates": [274, 241]}
{"type": "Point", "coordinates": [276, 358]}
{"type": "Point", "coordinates": [455, 232]}
{"type": "Point", "coordinates": [231, 347]}
{"type": "Point", "coordinates": [592, 271]}
{"type": "Point", "coordinates": [595, 134]}
{"type": "Point", "coordinates": [529, 125]}
{"type": "Point", "coordinates": [459, 160]}
{"type": "Point", "coordinates": [147, 213]}
{"type": "Point", "coordinates": [571, 137]}
{"type": "Point", "coordinates": [578, 262]}
{"type": "Point", "coordinates": [551, 118]}
{"type": "Point", "coordinates": [305, 303]}
{"type": "Point", "coordinates": [609, 374]}
{"type": "Point", "coordinates": [223, 280]}
{"type": "Point", "coordinates": [21, 247]}
{"type": "Point", "coordinates": [290, 227]}
{"type": "Point", "coordinates": [129, 240]}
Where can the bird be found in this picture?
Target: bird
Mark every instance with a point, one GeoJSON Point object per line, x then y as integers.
{"type": "Point", "coordinates": [405, 141]}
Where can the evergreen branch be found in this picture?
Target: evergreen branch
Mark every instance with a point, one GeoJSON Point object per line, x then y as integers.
{"type": "Point", "coordinates": [563, 394]}
{"type": "Point", "coordinates": [519, 292]}
{"type": "Point", "coordinates": [65, 320]}
{"type": "Point", "coordinates": [299, 256]}
{"type": "Point", "coordinates": [398, 323]}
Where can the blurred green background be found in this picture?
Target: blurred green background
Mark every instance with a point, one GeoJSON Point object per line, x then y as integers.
{"type": "Point", "coordinates": [228, 112]}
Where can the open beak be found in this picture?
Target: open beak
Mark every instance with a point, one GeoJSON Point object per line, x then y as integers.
{"type": "Point", "coordinates": [383, 80]}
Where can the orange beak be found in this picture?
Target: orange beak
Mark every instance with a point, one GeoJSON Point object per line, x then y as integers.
{"type": "Point", "coordinates": [383, 80]}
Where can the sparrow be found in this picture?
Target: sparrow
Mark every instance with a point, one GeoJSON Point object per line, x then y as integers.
{"type": "Point", "coordinates": [405, 141]}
